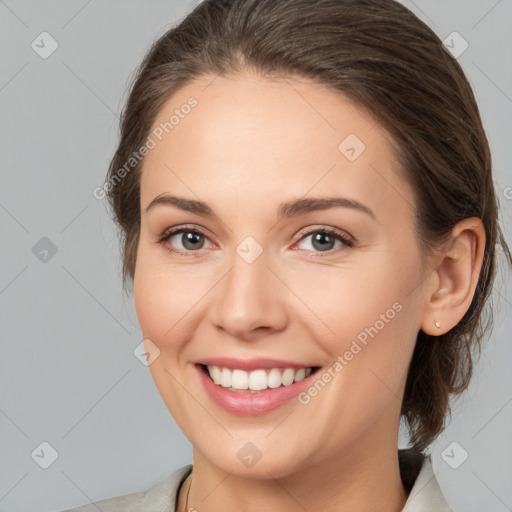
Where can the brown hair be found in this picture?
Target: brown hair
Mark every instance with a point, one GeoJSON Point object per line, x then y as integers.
{"type": "Point", "coordinates": [382, 57]}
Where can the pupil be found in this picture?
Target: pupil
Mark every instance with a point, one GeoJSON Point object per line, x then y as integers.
{"type": "Point", "coordinates": [190, 237]}
{"type": "Point", "coordinates": [323, 236]}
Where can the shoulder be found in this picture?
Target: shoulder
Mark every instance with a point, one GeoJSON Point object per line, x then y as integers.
{"type": "Point", "coordinates": [426, 494]}
{"type": "Point", "coordinates": [160, 496]}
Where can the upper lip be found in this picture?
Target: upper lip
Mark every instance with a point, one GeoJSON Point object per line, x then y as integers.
{"type": "Point", "coordinates": [251, 364]}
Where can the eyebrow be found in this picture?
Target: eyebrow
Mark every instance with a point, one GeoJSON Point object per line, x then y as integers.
{"type": "Point", "coordinates": [287, 209]}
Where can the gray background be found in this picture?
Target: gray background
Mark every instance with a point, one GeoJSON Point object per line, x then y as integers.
{"type": "Point", "coordinates": [68, 375]}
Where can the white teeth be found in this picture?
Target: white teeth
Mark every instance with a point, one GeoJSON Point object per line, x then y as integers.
{"type": "Point", "coordinates": [300, 375]}
{"type": "Point", "coordinates": [239, 379]}
{"type": "Point", "coordinates": [225, 378]}
{"type": "Point", "coordinates": [288, 376]}
{"type": "Point", "coordinates": [256, 380]}
{"type": "Point", "coordinates": [274, 378]}
{"type": "Point", "coordinates": [215, 374]}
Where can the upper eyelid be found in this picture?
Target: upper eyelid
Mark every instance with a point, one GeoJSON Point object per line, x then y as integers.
{"type": "Point", "coordinates": [322, 228]}
{"type": "Point", "coordinates": [179, 229]}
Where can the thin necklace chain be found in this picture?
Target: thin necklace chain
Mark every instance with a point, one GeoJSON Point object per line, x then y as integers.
{"type": "Point", "coordinates": [188, 492]}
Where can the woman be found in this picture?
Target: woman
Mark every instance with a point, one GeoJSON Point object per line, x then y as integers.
{"type": "Point", "coordinates": [308, 217]}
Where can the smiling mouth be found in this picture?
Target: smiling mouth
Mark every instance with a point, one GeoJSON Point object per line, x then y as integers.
{"type": "Point", "coordinates": [258, 380]}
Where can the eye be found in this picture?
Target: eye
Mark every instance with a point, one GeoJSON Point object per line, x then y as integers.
{"type": "Point", "coordinates": [191, 239]}
{"type": "Point", "coordinates": [323, 240]}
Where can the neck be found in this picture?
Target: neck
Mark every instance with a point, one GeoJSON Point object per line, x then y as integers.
{"type": "Point", "coordinates": [358, 481]}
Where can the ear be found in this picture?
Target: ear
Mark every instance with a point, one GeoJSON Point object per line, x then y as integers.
{"type": "Point", "coordinates": [456, 277]}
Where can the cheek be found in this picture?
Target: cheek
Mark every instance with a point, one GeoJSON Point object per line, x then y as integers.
{"type": "Point", "coordinates": [158, 303]}
{"type": "Point", "coordinates": [167, 299]}
{"type": "Point", "coordinates": [345, 301]}
{"type": "Point", "coordinates": [366, 314]}
{"type": "Point", "coordinates": [151, 300]}
{"type": "Point", "coordinates": [161, 311]}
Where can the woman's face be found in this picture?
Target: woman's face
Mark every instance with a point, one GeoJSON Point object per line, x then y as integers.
{"type": "Point", "coordinates": [255, 275]}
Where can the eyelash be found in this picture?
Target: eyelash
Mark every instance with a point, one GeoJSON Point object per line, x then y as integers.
{"type": "Point", "coordinates": [339, 235]}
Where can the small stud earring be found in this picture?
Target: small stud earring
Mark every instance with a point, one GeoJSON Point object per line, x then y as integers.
{"type": "Point", "coordinates": [438, 325]}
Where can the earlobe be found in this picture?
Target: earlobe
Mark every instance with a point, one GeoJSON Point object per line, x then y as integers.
{"type": "Point", "coordinates": [457, 277]}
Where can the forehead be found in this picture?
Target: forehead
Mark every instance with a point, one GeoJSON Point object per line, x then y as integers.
{"type": "Point", "coordinates": [246, 134]}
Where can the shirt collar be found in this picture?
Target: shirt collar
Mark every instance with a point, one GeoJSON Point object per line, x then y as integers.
{"type": "Point", "coordinates": [426, 494]}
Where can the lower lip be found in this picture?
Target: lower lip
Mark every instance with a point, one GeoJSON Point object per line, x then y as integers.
{"type": "Point", "coordinates": [251, 404]}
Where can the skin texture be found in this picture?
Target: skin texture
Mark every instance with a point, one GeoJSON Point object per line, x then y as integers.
{"type": "Point", "coordinates": [250, 144]}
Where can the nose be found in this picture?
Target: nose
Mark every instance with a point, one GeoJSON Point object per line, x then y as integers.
{"type": "Point", "coordinates": [249, 302]}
